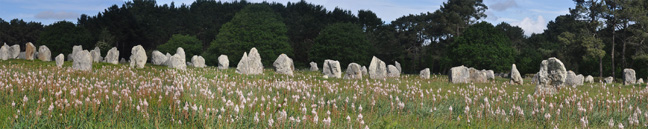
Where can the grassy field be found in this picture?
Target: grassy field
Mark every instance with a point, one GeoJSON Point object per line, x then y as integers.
{"type": "Point", "coordinates": [35, 94]}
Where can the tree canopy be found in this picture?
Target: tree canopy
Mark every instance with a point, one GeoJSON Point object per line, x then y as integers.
{"type": "Point", "coordinates": [344, 42]}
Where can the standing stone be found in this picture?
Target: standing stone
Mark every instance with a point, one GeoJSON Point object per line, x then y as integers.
{"type": "Point", "coordinates": [112, 56]}
{"type": "Point", "coordinates": [608, 80]}
{"type": "Point", "coordinates": [629, 76]}
{"type": "Point", "coordinates": [75, 49]}
{"type": "Point", "coordinates": [168, 61]}
{"type": "Point", "coordinates": [59, 60]}
{"type": "Point", "coordinates": [459, 74]}
{"type": "Point", "coordinates": [476, 76]}
{"type": "Point", "coordinates": [398, 66]}
{"type": "Point", "coordinates": [21, 55]}
{"type": "Point", "coordinates": [392, 71]}
{"type": "Point", "coordinates": [284, 65]}
{"type": "Point", "coordinates": [535, 80]}
{"type": "Point", "coordinates": [123, 61]}
{"type": "Point", "coordinates": [157, 58]}
{"type": "Point", "coordinates": [516, 77]}
{"type": "Point", "coordinates": [490, 74]}
{"type": "Point", "coordinates": [640, 81]}
{"type": "Point", "coordinates": [138, 57]}
{"type": "Point", "coordinates": [364, 71]}
{"type": "Point", "coordinates": [425, 73]}
{"type": "Point", "coordinates": [82, 61]}
{"type": "Point", "coordinates": [332, 68]}
{"type": "Point", "coordinates": [44, 53]}
{"type": "Point", "coordinates": [353, 71]}
{"type": "Point", "coordinates": [223, 62]}
{"type": "Point", "coordinates": [30, 50]}
{"type": "Point", "coordinates": [4, 52]}
{"type": "Point", "coordinates": [178, 62]}
{"type": "Point", "coordinates": [313, 66]}
{"type": "Point", "coordinates": [377, 69]}
{"type": "Point", "coordinates": [96, 55]}
{"type": "Point", "coordinates": [589, 79]}
{"type": "Point", "coordinates": [14, 51]}
{"type": "Point", "coordinates": [573, 79]}
{"type": "Point", "coordinates": [250, 63]}
{"type": "Point", "coordinates": [551, 76]}
{"type": "Point", "coordinates": [198, 61]}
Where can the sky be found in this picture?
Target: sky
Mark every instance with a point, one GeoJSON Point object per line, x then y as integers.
{"type": "Point", "coordinates": [530, 15]}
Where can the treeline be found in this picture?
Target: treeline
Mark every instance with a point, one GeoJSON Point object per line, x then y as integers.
{"type": "Point", "coordinates": [595, 38]}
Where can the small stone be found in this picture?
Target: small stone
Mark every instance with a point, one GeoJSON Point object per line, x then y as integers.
{"type": "Point", "coordinates": [608, 80]}
{"type": "Point", "coordinates": [223, 62]}
{"type": "Point", "coordinates": [629, 76]}
{"type": "Point", "coordinates": [589, 79]}
{"type": "Point", "coordinates": [44, 53]}
{"type": "Point", "coordinates": [157, 58]}
{"type": "Point", "coordinates": [112, 56]}
{"type": "Point", "coordinates": [198, 61]}
{"type": "Point", "coordinates": [82, 61]}
{"type": "Point", "coordinates": [353, 71]}
{"type": "Point", "coordinates": [284, 65]}
{"type": "Point", "coordinates": [138, 57]}
{"type": "Point", "coordinates": [59, 60]}
{"type": "Point", "coordinates": [516, 77]}
{"type": "Point", "coordinates": [332, 68]}
{"type": "Point", "coordinates": [425, 73]}
{"type": "Point", "coordinates": [313, 66]}
{"type": "Point", "coordinates": [392, 71]}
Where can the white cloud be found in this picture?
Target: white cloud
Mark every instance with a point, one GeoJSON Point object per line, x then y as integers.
{"type": "Point", "coordinates": [559, 12]}
{"type": "Point", "coordinates": [531, 26]}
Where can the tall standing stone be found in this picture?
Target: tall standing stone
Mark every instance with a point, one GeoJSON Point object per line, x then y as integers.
{"type": "Point", "coordinates": [112, 56]}
{"type": "Point", "coordinates": [377, 69]}
{"type": "Point", "coordinates": [364, 71]}
{"type": "Point", "coordinates": [223, 62]}
{"type": "Point", "coordinates": [75, 49]}
{"type": "Point", "coordinates": [59, 60]}
{"type": "Point", "coordinates": [96, 55]}
{"type": "Point", "coordinates": [157, 58]}
{"type": "Point", "coordinates": [398, 66]}
{"type": "Point", "coordinates": [177, 61]}
{"type": "Point", "coordinates": [353, 71]}
{"type": "Point", "coordinates": [138, 57]}
{"type": "Point", "coordinates": [551, 76]}
{"type": "Point", "coordinates": [459, 74]}
{"type": "Point", "coordinates": [516, 77]}
{"type": "Point", "coordinates": [198, 61]}
{"type": "Point", "coordinates": [82, 61]}
{"type": "Point", "coordinates": [629, 76]}
{"type": "Point", "coordinates": [313, 66]}
{"type": "Point", "coordinates": [425, 73]}
{"type": "Point", "coordinates": [250, 63]}
{"type": "Point", "coordinates": [392, 71]}
{"type": "Point", "coordinates": [44, 53]}
{"type": "Point", "coordinates": [589, 79]}
{"type": "Point", "coordinates": [14, 51]}
{"type": "Point", "coordinates": [284, 65]}
{"type": "Point", "coordinates": [4, 52]}
{"type": "Point", "coordinates": [332, 68]}
{"type": "Point", "coordinates": [30, 50]}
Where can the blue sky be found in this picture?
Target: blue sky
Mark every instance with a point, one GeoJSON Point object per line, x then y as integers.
{"type": "Point", "coordinates": [530, 15]}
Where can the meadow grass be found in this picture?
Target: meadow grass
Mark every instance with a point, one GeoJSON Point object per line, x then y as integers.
{"type": "Point", "coordinates": [36, 94]}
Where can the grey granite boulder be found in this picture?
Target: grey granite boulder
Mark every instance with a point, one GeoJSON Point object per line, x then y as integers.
{"type": "Point", "coordinates": [353, 71]}
{"type": "Point", "coordinates": [250, 63]}
{"type": "Point", "coordinates": [112, 56]}
{"type": "Point", "coordinates": [377, 69]}
{"type": "Point", "coordinates": [59, 60]}
{"type": "Point", "coordinates": [425, 73]}
{"type": "Point", "coordinates": [30, 51]}
{"type": "Point", "coordinates": [313, 66]}
{"type": "Point", "coordinates": [284, 65]}
{"type": "Point", "coordinates": [551, 77]}
{"type": "Point", "coordinates": [223, 62]}
{"type": "Point", "coordinates": [392, 71]}
{"type": "Point", "coordinates": [198, 61]}
{"type": "Point", "coordinates": [157, 58]}
{"type": "Point", "coordinates": [629, 76]}
{"type": "Point", "coordinates": [44, 53]}
{"type": "Point", "coordinates": [332, 68]}
{"type": "Point", "coordinates": [516, 77]}
{"type": "Point", "coordinates": [138, 57]}
{"type": "Point", "coordinates": [82, 61]}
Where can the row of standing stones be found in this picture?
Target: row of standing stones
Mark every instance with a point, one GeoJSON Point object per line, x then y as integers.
{"type": "Point", "coordinates": [551, 77]}
{"type": "Point", "coordinates": [30, 53]}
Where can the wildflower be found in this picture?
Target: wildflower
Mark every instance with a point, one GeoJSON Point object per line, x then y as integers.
{"type": "Point", "coordinates": [270, 122]}
{"type": "Point", "coordinates": [450, 108]}
{"type": "Point", "coordinates": [621, 126]}
{"type": "Point", "coordinates": [547, 115]}
{"type": "Point", "coordinates": [13, 104]}
{"type": "Point", "coordinates": [611, 123]}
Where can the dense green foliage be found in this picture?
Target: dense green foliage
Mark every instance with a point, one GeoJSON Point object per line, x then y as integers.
{"type": "Point", "coordinates": [255, 26]}
{"type": "Point", "coordinates": [483, 47]}
{"type": "Point", "coordinates": [51, 37]}
{"type": "Point", "coordinates": [191, 45]}
{"type": "Point", "coordinates": [344, 42]}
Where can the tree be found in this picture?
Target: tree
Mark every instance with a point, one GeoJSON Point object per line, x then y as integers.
{"type": "Point", "coordinates": [484, 47]}
{"type": "Point", "coordinates": [61, 36]}
{"type": "Point", "coordinates": [191, 45]}
{"type": "Point", "coordinates": [457, 15]}
{"type": "Point", "coordinates": [592, 45]}
{"type": "Point", "coordinates": [256, 25]}
{"type": "Point", "coordinates": [344, 42]}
